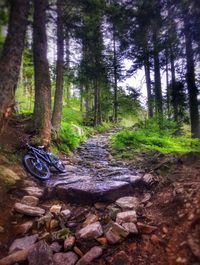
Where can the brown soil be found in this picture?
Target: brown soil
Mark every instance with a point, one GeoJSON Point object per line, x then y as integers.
{"type": "Point", "coordinates": [175, 211]}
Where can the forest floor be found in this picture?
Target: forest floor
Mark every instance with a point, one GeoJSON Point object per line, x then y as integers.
{"type": "Point", "coordinates": [168, 214]}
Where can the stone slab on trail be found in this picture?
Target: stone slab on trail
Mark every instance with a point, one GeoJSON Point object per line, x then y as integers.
{"type": "Point", "coordinates": [96, 176]}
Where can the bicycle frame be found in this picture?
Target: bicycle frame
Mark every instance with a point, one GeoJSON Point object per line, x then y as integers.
{"type": "Point", "coordinates": [39, 154]}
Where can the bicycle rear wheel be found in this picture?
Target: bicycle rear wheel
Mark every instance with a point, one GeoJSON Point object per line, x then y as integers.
{"type": "Point", "coordinates": [36, 167]}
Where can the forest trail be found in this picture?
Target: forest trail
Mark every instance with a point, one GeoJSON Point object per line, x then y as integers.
{"type": "Point", "coordinates": [94, 175]}
{"type": "Point", "coordinates": [161, 224]}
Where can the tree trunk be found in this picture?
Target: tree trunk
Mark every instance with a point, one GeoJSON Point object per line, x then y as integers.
{"type": "Point", "coordinates": [173, 84]}
{"type": "Point", "coordinates": [115, 77]}
{"type": "Point", "coordinates": [167, 82]}
{"type": "Point", "coordinates": [57, 110]}
{"type": "Point", "coordinates": [157, 79]}
{"type": "Point", "coordinates": [148, 78]}
{"type": "Point", "coordinates": [10, 60]}
{"type": "Point", "coordinates": [95, 103]}
{"type": "Point", "coordinates": [192, 89]}
{"type": "Point", "coordinates": [67, 65]}
{"type": "Point", "coordinates": [99, 117]}
{"type": "Point", "coordinates": [42, 106]}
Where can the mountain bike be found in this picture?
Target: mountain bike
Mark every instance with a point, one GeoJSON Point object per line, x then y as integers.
{"type": "Point", "coordinates": [38, 162]}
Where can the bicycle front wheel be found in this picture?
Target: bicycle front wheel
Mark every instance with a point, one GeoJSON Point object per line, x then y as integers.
{"type": "Point", "coordinates": [36, 167]}
{"type": "Point", "coordinates": [57, 163]}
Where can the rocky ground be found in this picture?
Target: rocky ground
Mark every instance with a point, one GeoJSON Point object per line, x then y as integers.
{"type": "Point", "coordinates": [146, 216]}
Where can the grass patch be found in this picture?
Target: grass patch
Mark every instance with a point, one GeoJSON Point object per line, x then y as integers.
{"type": "Point", "coordinates": [148, 136]}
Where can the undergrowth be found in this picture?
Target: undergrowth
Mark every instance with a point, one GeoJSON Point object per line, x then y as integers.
{"type": "Point", "coordinates": [148, 136]}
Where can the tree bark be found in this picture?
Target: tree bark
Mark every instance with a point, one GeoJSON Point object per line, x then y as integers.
{"type": "Point", "coordinates": [10, 60]}
{"type": "Point", "coordinates": [42, 105]}
{"type": "Point", "coordinates": [157, 79]}
{"type": "Point", "coordinates": [67, 65]}
{"type": "Point", "coordinates": [148, 77]}
{"type": "Point", "coordinates": [57, 110]}
{"type": "Point", "coordinates": [191, 84]}
{"type": "Point", "coordinates": [167, 82]}
{"type": "Point", "coordinates": [115, 77]}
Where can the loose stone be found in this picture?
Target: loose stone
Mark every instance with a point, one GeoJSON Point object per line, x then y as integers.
{"type": "Point", "coordinates": [130, 227]}
{"type": "Point", "coordinates": [69, 242]}
{"type": "Point", "coordinates": [55, 209]}
{"type": "Point", "coordinates": [44, 220]}
{"type": "Point", "coordinates": [30, 200]}
{"type": "Point", "coordinates": [118, 229]}
{"type": "Point", "coordinates": [28, 210]}
{"type": "Point", "coordinates": [112, 238]}
{"type": "Point", "coordinates": [18, 256]}
{"type": "Point", "coordinates": [148, 179]}
{"type": "Point", "coordinates": [69, 258]}
{"type": "Point", "coordinates": [113, 211]}
{"type": "Point", "coordinates": [23, 243]}
{"type": "Point", "coordinates": [91, 218]}
{"type": "Point", "coordinates": [92, 254]}
{"type": "Point", "coordinates": [126, 217]}
{"type": "Point", "coordinates": [41, 254]}
{"type": "Point", "coordinates": [34, 191]}
{"type": "Point", "coordinates": [53, 224]}
{"type": "Point", "coordinates": [66, 214]}
{"type": "Point", "coordinates": [128, 202]}
{"type": "Point", "coordinates": [56, 247]}
{"type": "Point", "coordinates": [90, 231]}
{"type": "Point", "coordinates": [25, 227]}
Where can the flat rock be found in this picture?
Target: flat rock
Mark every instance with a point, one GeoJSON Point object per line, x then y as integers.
{"type": "Point", "coordinates": [34, 191]}
{"type": "Point", "coordinates": [90, 231]}
{"type": "Point", "coordinates": [28, 210]}
{"type": "Point", "coordinates": [41, 254]}
{"type": "Point", "coordinates": [88, 191]}
{"type": "Point", "coordinates": [30, 200]}
{"type": "Point", "coordinates": [126, 217]}
{"type": "Point", "coordinates": [23, 243]}
{"type": "Point", "coordinates": [92, 254]}
{"type": "Point", "coordinates": [69, 258]}
{"type": "Point", "coordinates": [128, 202]}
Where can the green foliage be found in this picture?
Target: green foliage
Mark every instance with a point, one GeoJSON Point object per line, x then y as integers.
{"type": "Point", "coordinates": [147, 136]}
{"type": "Point", "coordinates": [103, 127]}
{"type": "Point", "coordinates": [69, 138]}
